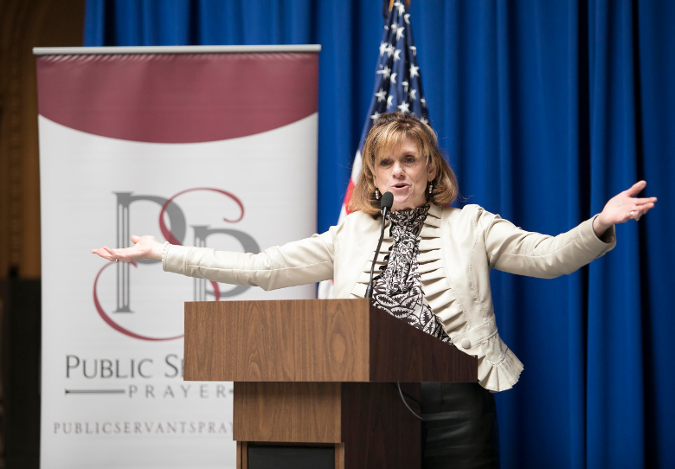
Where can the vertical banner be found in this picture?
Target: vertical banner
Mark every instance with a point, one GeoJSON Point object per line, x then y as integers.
{"type": "Point", "coordinates": [213, 149]}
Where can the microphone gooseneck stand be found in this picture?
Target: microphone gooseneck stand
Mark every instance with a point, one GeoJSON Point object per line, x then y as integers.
{"type": "Point", "coordinates": [385, 205]}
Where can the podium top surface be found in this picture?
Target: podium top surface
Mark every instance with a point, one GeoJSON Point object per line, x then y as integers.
{"type": "Point", "coordinates": [271, 49]}
{"type": "Point", "coordinates": [345, 340]}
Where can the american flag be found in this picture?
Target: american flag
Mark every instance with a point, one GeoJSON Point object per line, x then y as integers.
{"type": "Point", "coordinates": [398, 88]}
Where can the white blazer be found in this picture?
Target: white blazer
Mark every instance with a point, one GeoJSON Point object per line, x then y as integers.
{"type": "Point", "coordinates": [458, 248]}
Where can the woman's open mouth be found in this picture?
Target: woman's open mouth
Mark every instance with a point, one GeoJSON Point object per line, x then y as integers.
{"type": "Point", "coordinates": [399, 186]}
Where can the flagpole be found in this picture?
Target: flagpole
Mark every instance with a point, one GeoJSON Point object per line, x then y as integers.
{"type": "Point", "coordinates": [398, 88]}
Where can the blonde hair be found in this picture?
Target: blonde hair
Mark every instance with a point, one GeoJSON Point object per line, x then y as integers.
{"type": "Point", "coordinates": [388, 132]}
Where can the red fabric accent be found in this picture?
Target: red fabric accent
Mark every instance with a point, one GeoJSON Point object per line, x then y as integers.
{"type": "Point", "coordinates": [348, 196]}
{"type": "Point", "coordinates": [177, 98]}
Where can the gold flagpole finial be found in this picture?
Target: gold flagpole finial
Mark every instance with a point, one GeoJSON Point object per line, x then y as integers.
{"type": "Point", "coordinates": [391, 4]}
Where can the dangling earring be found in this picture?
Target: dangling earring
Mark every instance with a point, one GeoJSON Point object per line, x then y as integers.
{"type": "Point", "coordinates": [377, 194]}
{"type": "Point", "coordinates": [431, 187]}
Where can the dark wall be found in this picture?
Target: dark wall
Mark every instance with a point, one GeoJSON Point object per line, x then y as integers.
{"type": "Point", "coordinates": [20, 386]}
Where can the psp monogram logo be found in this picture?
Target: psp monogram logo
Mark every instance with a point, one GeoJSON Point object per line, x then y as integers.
{"type": "Point", "coordinates": [176, 235]}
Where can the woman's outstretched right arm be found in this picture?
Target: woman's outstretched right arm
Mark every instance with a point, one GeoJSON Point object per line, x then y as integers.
{"type": "Point", "coordinates": [296, 263]}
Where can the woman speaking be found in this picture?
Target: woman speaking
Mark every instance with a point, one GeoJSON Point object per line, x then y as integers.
{"type": "Point", "coordinates": [434, 272]}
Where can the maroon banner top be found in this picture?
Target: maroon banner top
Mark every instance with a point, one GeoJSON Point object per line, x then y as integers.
{"type": "Point", "coordinates": [177, 98]}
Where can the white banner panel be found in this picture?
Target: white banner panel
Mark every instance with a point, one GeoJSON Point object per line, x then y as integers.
{"type": "Point", "coordinates": [112, 388]}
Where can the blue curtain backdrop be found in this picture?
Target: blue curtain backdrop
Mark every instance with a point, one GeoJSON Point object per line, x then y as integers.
{"type": "Point", "coordinates": [546, 110]}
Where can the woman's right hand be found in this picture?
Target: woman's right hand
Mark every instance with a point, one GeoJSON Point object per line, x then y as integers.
{"type": "Point", "coordinates": [145, 247]}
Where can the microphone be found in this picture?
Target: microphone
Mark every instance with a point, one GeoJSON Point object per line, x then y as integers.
{"type": "Point", "coordinates": [385, 205]}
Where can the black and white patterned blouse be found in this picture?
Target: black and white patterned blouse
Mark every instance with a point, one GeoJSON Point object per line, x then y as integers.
{"type": "Point", "coordinates": [398, 290]}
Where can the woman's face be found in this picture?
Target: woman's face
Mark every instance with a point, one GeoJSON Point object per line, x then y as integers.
{"type": "Point", "coordinates": [405, 173]}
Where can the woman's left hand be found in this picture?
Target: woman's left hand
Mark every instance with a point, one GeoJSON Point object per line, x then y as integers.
{"type": "Point", "coordinates": [623, 207]}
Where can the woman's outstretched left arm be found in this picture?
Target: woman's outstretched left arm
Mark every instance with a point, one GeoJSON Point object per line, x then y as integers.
{"type": "Point", "coordinates": [514, 250]}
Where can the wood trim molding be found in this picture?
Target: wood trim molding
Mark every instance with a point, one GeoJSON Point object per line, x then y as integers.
{"type": "Point", "coordinates": [25, 24]}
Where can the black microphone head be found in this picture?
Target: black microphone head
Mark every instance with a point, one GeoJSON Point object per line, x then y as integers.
{"type": "Point", "coordinates": [387, 201]}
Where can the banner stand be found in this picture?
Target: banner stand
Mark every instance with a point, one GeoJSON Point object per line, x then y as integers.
{"type": "Point", "coordinates": [204, 146]}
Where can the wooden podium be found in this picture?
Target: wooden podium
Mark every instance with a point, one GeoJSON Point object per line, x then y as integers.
{"type": "Point", "coordinates": [315, 380]}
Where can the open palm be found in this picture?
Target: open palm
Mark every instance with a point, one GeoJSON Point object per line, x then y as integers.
{"type": "Point", "coordinates": [145, 247]}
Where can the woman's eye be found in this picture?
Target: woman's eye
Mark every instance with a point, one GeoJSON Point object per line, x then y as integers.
{"type": "Point", "coordinates": [385, 163]}
{"type": "Point", "coordinates": [410, 159]}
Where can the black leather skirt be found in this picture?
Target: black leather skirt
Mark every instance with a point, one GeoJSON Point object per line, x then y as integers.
{"type": "Point", "coordinates": [459, 427]}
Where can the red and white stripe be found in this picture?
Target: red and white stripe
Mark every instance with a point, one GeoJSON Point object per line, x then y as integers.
{"type": "Point", "coordinates": [325, 290]}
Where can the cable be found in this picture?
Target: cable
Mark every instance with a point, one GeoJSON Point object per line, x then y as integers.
{"type": "Point", "coordinates": [406, 404]}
